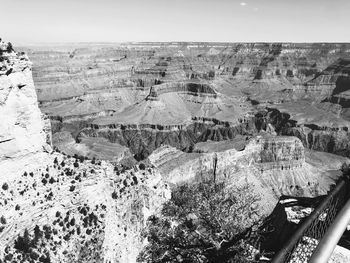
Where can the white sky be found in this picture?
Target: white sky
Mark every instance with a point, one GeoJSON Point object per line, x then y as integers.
{"type": "Point", "coordinates": [37, 21]}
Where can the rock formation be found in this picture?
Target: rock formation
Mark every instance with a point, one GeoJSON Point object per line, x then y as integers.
{"type": "Point", "coordinates": [58, 208]}
{"type": "Point", "coordinates": [23, 129]}
{"type": "Point", "coordinates": [273, 165]}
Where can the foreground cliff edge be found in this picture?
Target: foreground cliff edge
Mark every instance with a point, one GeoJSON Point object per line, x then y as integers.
{"type": "Point", "coordinates": [57, 208]}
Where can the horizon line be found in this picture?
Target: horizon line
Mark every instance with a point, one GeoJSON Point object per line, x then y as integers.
{"type": "Point", "coordinates": [180, 42]}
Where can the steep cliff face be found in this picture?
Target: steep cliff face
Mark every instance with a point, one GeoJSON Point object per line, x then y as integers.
{"type": "Point", "coordinates": [23, 129]}
{"type": "Point", "coordinates": [264, 152]}
{"type": "Point", "coordinates": [329, 134]}
{"type": "Point", "coordinates": [334, 81]}
{"type": "Point", "coordinates": [55, 208]}
{"type": "Point", "coordinates": [272, 165]}
{"type": "Point", "coordinates": [142, 140]}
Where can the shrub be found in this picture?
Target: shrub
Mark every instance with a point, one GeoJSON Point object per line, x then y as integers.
{"type": "Point", "coordinates": [37, 234]}
{"type": "Point", "coordinates": [5, 186]}
{"type": "Point", "coordinates": [211, 74]}
{"type": "Point", "coordinates": [45, 259]}
{"type": "Point", "coordinates": [211, 221]}
{"type": "Point", "coordinates": [8, 257]}
{"type": "Point", "coordinates": [33, 255]}
{"type": "Point", "coordinates": [142, 166]}
{"type": "Point", "coordinates": [290, 73]}
{"type": "Point", "coordinates": [9, 47]}
{"type": "Point", "coordinates": [47, 232]}
{"type": "Point", "coordinates": [258, 74]}
{"type": "Point", "coordinates": [114, 195]}
{"type": "Point", "coordinates": [23, 243]}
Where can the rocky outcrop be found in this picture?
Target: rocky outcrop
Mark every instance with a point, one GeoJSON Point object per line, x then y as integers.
{"type": "Point", "coordinates": [68, 209]}
{"type": "Point", "coordinates": [320, 138]}
{"type": "Point", "coordinates": [271, 165]}
{"type": "Point", "coordinates": [91, 147]}
{"type": "Point", "coordinates": [143, 140]}
{"type": "Point", "coordinates": [23, 129]}
{"type": "Point", "coordinates": [92, 210]}
{"type": "Point", "coordinates": [195, 89]}
{"type": "Point", "coordinates": [263, 152]}
{"type": "Point", "coordinates": [325, 139]}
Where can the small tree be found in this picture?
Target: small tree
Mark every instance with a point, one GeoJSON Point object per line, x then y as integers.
{"type": "Point", "coordinates": [9, 47]}
{"type": "Point", "coordinates": [37, 234]}
{"type": "Point", "coordinates": [142, 166]}
{"type": "Point", "coordinates": [290, 73]}
{"type": "Point", "coordinates": [3, 220]}
{"type": "Point", "coordinates": [114, 195]}
{"type": "Point", "coordinates": [23, 243]}
{"type": "Point", "coordinates": [5, 186]}
{"type": "Point", "coordinates": [202, 222]}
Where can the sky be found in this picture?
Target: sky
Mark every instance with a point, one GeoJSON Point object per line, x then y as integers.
{"type": "Point", "coordinates": [55, 21]}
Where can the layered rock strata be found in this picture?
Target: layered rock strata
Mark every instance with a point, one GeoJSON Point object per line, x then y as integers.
{"type": "Point", "coordinates": [272, 165]}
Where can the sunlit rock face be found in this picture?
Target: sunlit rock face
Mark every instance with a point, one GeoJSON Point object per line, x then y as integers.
{"type": "Point", "coordinates": [23, 129]}
{"type": "Point", "coordinates": [89, 211]}
{"type": "Point", "coordinates": [272, 165]}
{"type": "Point", "coordinates": [264, 153]}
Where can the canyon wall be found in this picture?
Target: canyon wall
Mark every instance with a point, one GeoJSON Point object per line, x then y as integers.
{"type": "Point", "coordinates": [183, 93]}
{"type": "Point", "coordinates": [23, 129]}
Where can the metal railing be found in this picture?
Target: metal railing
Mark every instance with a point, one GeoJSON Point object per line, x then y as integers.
{"type": "Point", "coordinates": [302, 245]}
{"type": "Point", "coordinates": [331, 238]}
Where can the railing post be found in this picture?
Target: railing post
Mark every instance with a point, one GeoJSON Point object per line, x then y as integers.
{"type": "Point", "coordinates": [330, 240]}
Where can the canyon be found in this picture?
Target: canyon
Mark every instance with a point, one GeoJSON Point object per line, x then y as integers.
{"type": "Point", "coordinates": [96, 146]}
{"type": "Point", "coordinates": [143, 95]}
